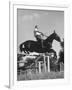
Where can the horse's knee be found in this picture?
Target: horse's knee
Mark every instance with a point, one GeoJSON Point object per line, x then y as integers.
{"type": "Point", "coordinates": [28, 52]}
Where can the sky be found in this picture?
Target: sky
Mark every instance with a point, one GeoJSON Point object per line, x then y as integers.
{"type": "Point", "coordinates": [47, 21]}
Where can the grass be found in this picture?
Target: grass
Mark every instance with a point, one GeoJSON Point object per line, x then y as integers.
{"type": "Point", "coordinates": [37, 76]}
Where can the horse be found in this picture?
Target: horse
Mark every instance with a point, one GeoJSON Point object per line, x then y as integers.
{"type": "Point", "coordinates": [36, 46]}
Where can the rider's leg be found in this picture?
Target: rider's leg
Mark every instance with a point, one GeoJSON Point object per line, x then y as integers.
{"type": "Point", "coordinates": [42, 43]}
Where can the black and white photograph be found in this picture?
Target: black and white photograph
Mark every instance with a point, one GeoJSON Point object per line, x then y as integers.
{"type": "Point", "coordinates": [40, 44]}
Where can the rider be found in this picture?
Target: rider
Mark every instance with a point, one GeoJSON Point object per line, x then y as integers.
{"type": "Point", "coordinates": [39, 35]}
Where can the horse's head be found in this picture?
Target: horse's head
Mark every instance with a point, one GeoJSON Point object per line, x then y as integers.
{"type": "Point", "coordinates": [55, 36]}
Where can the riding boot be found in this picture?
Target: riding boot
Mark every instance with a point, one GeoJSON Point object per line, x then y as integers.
{"type": "Point", "coordinates": [42, 43]}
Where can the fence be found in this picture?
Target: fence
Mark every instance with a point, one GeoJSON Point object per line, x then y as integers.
{"type": "Point", "coordinates": [41, 66]}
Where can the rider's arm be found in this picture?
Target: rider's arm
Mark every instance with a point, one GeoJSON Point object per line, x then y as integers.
{"type": "Point", "coordinates": [41, 33]}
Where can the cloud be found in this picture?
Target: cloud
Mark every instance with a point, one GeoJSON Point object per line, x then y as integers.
{"type": "Point", "coordinates": [31, 16]}
{"type": "Point", "coordinates": [36, 15]}
{"type": "Point", "coordinates": [27, 17]}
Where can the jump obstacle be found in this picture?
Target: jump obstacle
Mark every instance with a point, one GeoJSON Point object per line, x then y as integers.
{"type": "Point", "coordinates": [46, 63]}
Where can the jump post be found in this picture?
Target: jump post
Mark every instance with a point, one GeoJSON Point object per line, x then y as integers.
{"type": "Point", "coordinates": [46, 67]}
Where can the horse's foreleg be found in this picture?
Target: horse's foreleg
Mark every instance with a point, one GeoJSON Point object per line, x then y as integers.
{"type": "Point", "coordinates": [26, 52]}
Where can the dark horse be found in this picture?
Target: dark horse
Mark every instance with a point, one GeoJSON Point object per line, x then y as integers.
{"type": "Point", "coordinates": [36, 46]}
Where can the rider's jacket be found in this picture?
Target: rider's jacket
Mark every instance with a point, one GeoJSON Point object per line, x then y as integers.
{"type": "Point", "coordinates": [37, 33]}
{"type": "Point", "coordinates": [39, 36]}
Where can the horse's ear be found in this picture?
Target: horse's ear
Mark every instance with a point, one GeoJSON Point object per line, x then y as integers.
{"type": "Point", "coordinates": [54, 31]}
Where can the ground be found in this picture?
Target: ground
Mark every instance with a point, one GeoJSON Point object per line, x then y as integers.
{"type": "Point", "coordinates": [37, 76]}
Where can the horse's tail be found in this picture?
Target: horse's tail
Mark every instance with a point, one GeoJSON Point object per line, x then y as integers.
{"type": "Point", "coordinates": [21, 47]}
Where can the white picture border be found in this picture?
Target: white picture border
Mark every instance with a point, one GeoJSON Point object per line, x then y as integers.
{"type": "Point", "coordinates": [13, 45]}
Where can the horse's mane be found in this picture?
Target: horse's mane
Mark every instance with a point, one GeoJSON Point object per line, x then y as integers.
{"type": "Point", "coordinates": [52, 36]}
{"type": "Point", "coordinates": [49, 37]}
